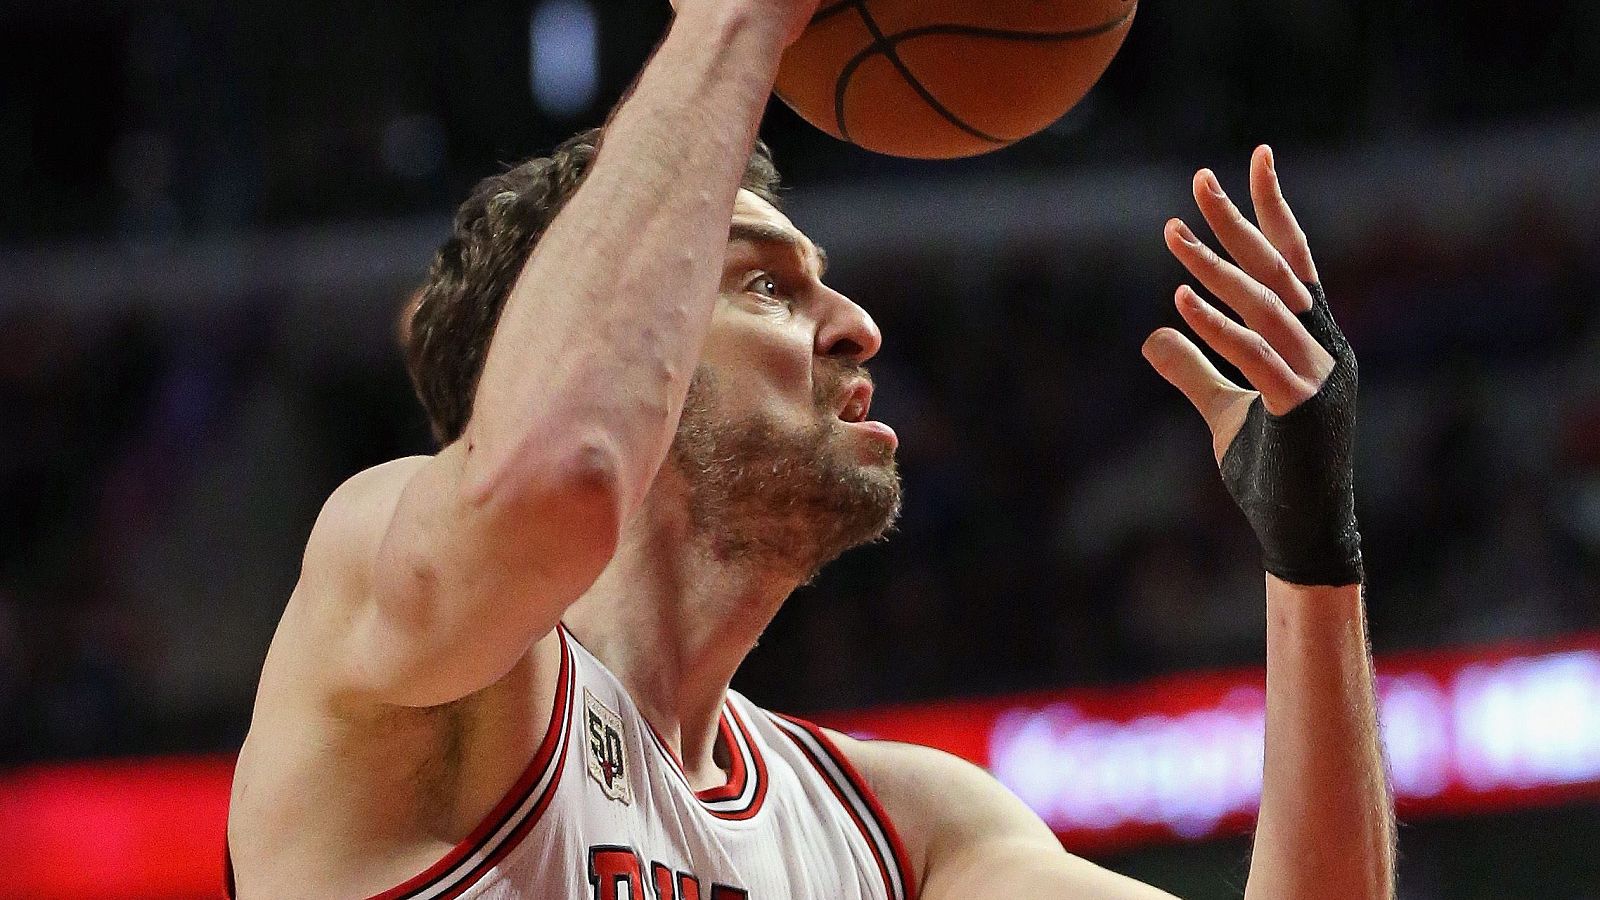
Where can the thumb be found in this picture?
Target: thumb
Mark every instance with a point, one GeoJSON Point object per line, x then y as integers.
{"type": "Point", "coordinates": [1219, 401]}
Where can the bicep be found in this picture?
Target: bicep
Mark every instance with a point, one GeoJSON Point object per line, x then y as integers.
{"type": "Point", "coordinates": [427, 596]}
{"type": "Point", "coordinates": [969, 836]}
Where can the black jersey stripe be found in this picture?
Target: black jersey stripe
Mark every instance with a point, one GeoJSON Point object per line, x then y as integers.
{"type": "Point", "coordinates": [750, 801]}
{"type": "Point", "coordinates": [844, 792]}
{"type": "Point", "coordinates": [858, 800]}
{"type": "Point", "coordinates": [544, 768]}
{"type": "Point", "coordinates": [514, 839]}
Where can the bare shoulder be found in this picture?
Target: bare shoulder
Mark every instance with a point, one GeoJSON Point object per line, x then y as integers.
{"type": "Point", "coordinates": [334, 578]}
{"type": "Point", "coordinates": [967, 835]}
{"type": "Point", "coordinates": [320, 772]}
{"type": "Point", "coordinates": [353, 517]}
{"type": "Point", "coordinates": [346, 784]}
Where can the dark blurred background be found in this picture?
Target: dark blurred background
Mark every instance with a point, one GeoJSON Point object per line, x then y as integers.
{"type": "Point", "coordinates": [210, 214]}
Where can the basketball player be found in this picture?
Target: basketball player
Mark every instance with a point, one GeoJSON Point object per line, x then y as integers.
{"type": "Point", "coordinates": [504, 671]}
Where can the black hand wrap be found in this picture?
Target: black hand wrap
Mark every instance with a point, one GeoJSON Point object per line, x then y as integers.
{"type": "Point", "coordinates": [1293, 474]}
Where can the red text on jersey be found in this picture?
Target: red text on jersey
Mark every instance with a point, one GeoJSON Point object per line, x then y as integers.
{"type": "Point", "coordinates": [617, 873]}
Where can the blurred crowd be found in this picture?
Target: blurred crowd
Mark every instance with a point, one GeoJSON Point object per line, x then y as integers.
{"type": "Point", "coordinates": [1063, 526]}
{"type": "Point", "coordinates": [190, 116]}
{"type": "Point", "coordinates": [1065, 523]}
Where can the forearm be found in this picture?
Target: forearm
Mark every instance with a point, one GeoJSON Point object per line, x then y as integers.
{"type": "Point", "coordinates": [1325, 829]}
{"type": "Point", "coordinates": [599, 339]}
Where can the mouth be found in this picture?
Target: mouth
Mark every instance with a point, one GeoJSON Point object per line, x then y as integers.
{"type": "Point", "coordinates": [857, 402]}
{"type": "Point", "coordinates": [853, 412]}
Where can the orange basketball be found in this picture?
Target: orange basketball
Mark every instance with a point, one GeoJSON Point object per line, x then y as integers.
{"type": "Point", "coordinates": [939, 79]}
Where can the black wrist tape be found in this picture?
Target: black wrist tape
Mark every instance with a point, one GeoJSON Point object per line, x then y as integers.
{"type": "Point", "coordinates": [1293, 475]}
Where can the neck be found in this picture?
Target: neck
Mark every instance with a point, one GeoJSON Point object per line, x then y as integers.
{"type": "Point", "coordinates": [673, 619]}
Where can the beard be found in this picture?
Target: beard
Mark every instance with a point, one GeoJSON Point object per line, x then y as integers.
{"type": "Point", "coordinates": [779, 496]}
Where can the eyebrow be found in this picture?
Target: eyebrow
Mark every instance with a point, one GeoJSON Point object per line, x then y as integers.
{"type": "Point", "coordinates": [763, 233]}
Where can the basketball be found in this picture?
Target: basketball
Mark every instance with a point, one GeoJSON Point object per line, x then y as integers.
{"type": "Point", "coordinates": [941, 79]}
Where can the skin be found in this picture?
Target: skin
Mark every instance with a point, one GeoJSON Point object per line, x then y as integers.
{"type": "Point", "coordinates": [414, 669]}
{"type": "Point", "coordinates": [1325, 828]}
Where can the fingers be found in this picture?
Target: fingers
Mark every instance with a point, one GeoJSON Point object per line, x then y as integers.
{"type": "Point", "coordinates": [1282, 389]}
{"type": "Point", "coordinates": [1181, 363]}
{"type": "Point", "coordinates": [1262, 308]}
{"type": "Point", "coordinates": [1220, 402]}
{"type": "Point", "coordinates": [1272, 349]}
{"type": "Point", "coordinates": [1277, 219]}
{"type": "Point", "coordinates": [1251, 249]}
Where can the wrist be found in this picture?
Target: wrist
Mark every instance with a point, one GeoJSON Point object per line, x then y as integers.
{"type": "Point", "coordinates": [1293, 475]}
{"type": "Point", "coordinates": [1301, 616]}
{"type": "Point", "coordinates": [1308, 558]}
{"type": "Point", "coordinates": [737, 27]}
{"type": "Point", "coordinates": [1316, 597]}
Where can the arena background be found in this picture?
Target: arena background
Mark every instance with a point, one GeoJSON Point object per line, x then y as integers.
{"type": "Point", "coordinates": [211, 213]}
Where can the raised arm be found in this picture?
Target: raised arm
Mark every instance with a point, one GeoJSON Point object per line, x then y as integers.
{"type": "Point", "coordinates": [447, 569]}
{"type": "Point", "coordinates": [1325, 828]}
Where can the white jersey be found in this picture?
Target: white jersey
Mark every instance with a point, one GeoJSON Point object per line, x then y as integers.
{"type": "Point", "coordinates": [603, 812]}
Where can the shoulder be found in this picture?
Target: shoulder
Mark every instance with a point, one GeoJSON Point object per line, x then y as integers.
{"type": "Point", "coordinates": [335, 573]}
{"type": "Point", "coordinates": [933, 797]}
{"type": "Point", "coordinates": [965, 834]}
{"type": "Point", "coordinates": [340, 553]}
{"type": "Point", "coordinates": [357, 511]}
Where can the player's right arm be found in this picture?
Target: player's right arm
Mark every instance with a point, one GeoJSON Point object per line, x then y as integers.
{"type": "Point", "coordinates": [966, 835]}
{"type": "Point", "coordinates": [427, 579]}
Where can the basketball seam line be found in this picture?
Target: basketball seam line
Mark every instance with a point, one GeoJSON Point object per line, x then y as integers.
{"type": "Point", "coordinates": [1009, 34]}
{"type": "Point", "coordinates": [886, 44]}
{"type": "Point", "coordinates": [828, 12]}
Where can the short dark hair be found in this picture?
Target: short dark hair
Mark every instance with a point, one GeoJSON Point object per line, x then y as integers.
{"type": "Point", "coordinates": [450, 320]}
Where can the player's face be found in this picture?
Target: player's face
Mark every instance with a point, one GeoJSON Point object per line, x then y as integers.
{"type": "Point", "coordinates": [777, 424]}
{"type": "Point", "coordinates": [792, 348]}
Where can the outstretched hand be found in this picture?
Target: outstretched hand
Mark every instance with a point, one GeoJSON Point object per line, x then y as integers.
{"type": "Point", "coordinates": [1265, 285]}
{"type": "Point", "coordinates": [1285, 443]}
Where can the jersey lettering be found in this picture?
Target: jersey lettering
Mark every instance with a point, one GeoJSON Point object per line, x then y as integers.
{"type": "Point", "coordinates": [674, 886]}
{"type": "Point", "coordinates": [616, 873]}
{"type": "Point", "coordinates": [604, 811]}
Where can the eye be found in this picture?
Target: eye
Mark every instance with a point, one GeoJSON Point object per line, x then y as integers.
{"type": "Point", "coordinates": [763, 285]}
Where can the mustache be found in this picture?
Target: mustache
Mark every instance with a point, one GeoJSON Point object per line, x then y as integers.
{"type": "Point", "coordinates": [831, 379]}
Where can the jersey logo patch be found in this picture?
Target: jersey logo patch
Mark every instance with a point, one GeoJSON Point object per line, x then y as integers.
{"type": "Point", "coordinates": [608, 755]}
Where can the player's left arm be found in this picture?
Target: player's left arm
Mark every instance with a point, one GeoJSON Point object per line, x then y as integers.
{"type": "Point", "coordinates": [967, 836]}
{"type": "Point", "coordinates": [1285, 449]}
{"type": "Point", "coordinates": [1325, 829]}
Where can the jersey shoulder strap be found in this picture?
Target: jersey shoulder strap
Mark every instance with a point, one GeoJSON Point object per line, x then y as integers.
{"type": "Point", "coordinates": [853, 792]}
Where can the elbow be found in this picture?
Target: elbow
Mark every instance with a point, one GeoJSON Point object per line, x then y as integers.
{"type": "Point", "coordinates": [590, 486]}
{"type": "Point", "coordinates": [566, 505]}
{"type": "Point", "coordinates": [586, 466]}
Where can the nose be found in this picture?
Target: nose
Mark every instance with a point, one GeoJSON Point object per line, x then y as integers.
{"type": "Point", "coordinates": [847, 331]}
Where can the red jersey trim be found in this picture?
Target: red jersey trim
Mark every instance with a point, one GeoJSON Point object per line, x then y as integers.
{"type": "Point", "coordinates": [858, 799]}
{"type": "Point", "coordinates": [447, 878]}
{"type": "Point", "coordinates": [745, 792]}
{"type": "Point", "coordinates": [431, 883]}
{"type": "Point", "coordinates": [737, 773]}
{"type": "Point", "coordinates": [741, 743]}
